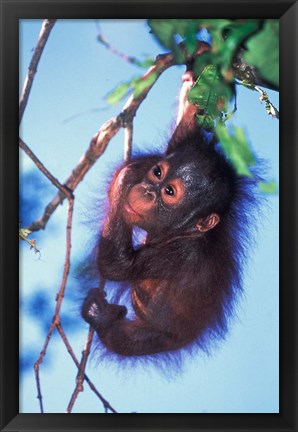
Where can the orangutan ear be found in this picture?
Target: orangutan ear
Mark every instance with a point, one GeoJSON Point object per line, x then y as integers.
{"type": "Point", "coordinates": [206, 224]}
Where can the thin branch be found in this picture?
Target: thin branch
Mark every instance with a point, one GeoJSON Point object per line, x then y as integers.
{"type": "Point", "coordinates": [128, 134]}
{"type": "Point", "coordinates": [45, 31]}
{"type": "Point", "coordinates": [60, 295]}
{"type": "Point", "coordinates": [91, 385]}
{"type": "Point", "coordinates": [44, 170]}
{"type": "Point", "coordinates": [125, 57]}
{"type": "Point", "coordinates": [82, 366]}
{"type": "Point", "coordinates": [38, 363]}
{"type": "Point", "coordinates": [270, 108]}
{"type": "Point", "coordinates": [101, 139]}
{"type": "Point", "coordinates": [81, 373]}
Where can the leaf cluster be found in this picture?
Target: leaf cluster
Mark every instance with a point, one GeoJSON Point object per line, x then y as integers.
{"type": "Point", "coordinates": [251, 44]}
{"type": "Point", "coordinates": [258, 38]}
{"type": "Point", "coordinates": [215, 69]}
{"type": "Point", "coordinates": [214, 89]}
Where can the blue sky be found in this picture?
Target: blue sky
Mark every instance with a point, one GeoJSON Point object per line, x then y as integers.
{"type": "Point", "coordinates": [65, 109]}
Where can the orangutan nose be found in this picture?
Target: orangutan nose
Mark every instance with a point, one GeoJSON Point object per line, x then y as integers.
{"type": "Point", "coordinates": [149, 191]}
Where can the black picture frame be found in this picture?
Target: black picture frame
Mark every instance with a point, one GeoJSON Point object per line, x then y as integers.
{"type": "Point", "coordinates": [11, 12]}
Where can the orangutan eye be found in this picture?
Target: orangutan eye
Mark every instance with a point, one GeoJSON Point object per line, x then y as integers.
{"type": "Point", "coordinates": [169, 190]}
{"type": "Point", "coordinates": [157, 171]}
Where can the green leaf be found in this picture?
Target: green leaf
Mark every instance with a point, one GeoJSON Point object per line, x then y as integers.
{"type": "Point", "coordinates": [206, 122]}
{"type": "Point", "coordinates": [216, 28]}
{"type": "Point", "coordinates": [225, 51]}
{"type": "Point", "coordinates": [236, 148]}
{"type": "Point", "coordinates": [210, 93]}
{"type": "Point", "coordinates": [263, 51]}
{"type": "Point", "coordinates": [142, 84]}
{"type": "Point", "coordinates": [24, 232]}
{"type": "Point", "coordinates": [191, 42]}
{"type": "Point", "coordinates": [268, 187]}
{"type": "Point", "coordinates": [137, 85]}
{"type": "Point", "coordinates": [165, 30]}
{"type": "Point", "coordinates": [243, 147]}
{"type": "Point", "coordinates": [147, 62]}
{"type": "Point", "coordinates": [118, 93]}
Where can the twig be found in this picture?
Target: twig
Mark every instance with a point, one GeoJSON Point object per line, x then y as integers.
{"type": "Point", "coordinates": [38, 363]}
{"type": "Point", "coordinates": [23, 234]}
{"type": "Point", "coordinates": [59, 298]}
{"type": "Point", "coordinates": [82, 366]}
{"type": "Point", "coordinates": [45, 31]}
{"type": "Point", "coordinates": [270, 108]}
{"type": "Point", "coordinates": [128, 133]}
{"type": "Point", "coordinates": [91, 385]}
{"type": "Point", "coordinates": [44, 170]}
{"type": "Point", "coordinates": [109, 47]}
{"type": "Point", "coordinates": [81, 372]}
{"type": "Point", "coordinates": [101, 139]}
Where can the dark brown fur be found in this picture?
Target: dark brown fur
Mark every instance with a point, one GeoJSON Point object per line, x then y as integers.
{"type": "Point", "coordinates": [185, 278]}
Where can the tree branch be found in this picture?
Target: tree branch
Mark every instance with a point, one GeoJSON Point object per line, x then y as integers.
{"type": "Point", "coordinates": [128, 134]}
{"type": "Point", "coordinates": [45, 31]}
{"type": "Point", "coordinates": [60, 295]}
{"type": "Point", "coordinates": [44, 170]}
{"type": "Point", "coordinates": [105, 403]}
{"type": "Point", "coordinates": [81, 373]}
